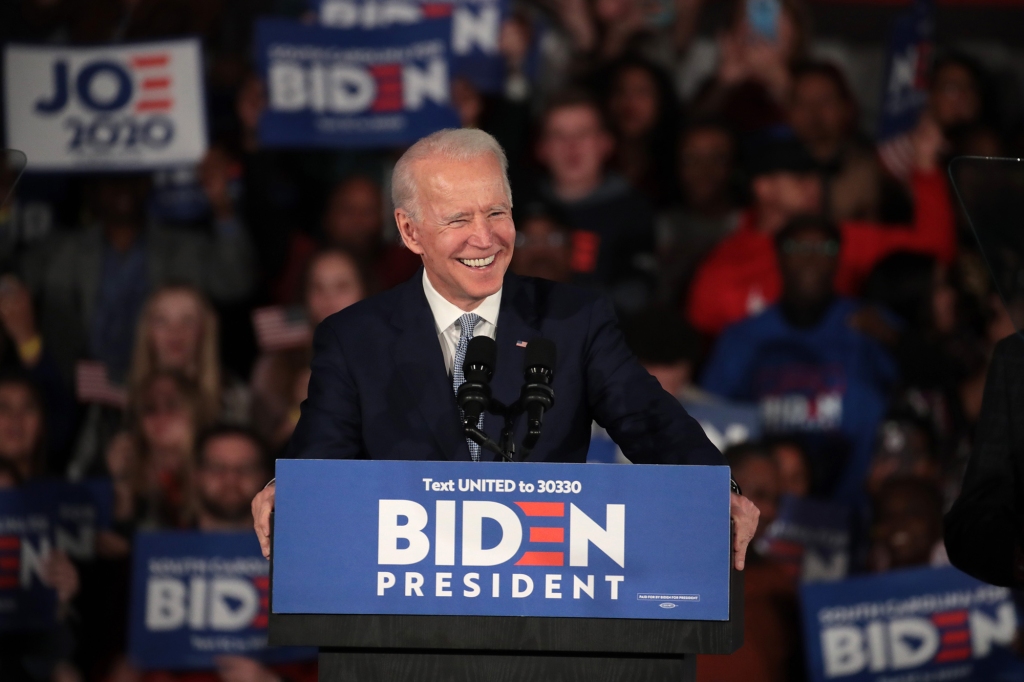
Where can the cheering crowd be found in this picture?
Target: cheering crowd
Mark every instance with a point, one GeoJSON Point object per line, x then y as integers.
{"type": "Point", "coordinates": [765, 257]}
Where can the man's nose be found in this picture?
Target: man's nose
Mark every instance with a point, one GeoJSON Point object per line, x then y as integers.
{"type": "Point", "coordinates": [481, 235]}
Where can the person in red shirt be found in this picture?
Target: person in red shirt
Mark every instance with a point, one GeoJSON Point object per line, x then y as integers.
{"type": "Point", "coordinates": [741, 277]}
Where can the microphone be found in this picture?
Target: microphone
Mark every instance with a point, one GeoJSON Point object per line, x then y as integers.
{"type": "Point", "coordinates": [537, 395]}
{"type": "Point", "coordinates": [475, 393]}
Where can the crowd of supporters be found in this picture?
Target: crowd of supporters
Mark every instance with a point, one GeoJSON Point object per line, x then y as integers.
{"type": "Point", "coordinates": [763, 253]}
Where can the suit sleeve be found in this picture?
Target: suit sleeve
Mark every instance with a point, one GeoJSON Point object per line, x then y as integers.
{"type": "Point", "coordinates": [330, 424]}
{"type": "Point", "coordinates": [982, 528]}
{"type": "Point", "coordinates": [648, 424]}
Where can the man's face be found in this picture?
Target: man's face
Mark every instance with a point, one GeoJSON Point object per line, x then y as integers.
{"type": "Point", "coordinates": [122, 200]}
{"type": "Point", "coordinates": [954, 96]}
{"type": "Point", "coordinates": [907, 528]}
{"type": "Point", "coordinates": [542, 250]}
{"type": "Point", "coordinates": [706, 164]}
{"type": "Point", "coordinates": [464, 231]}
{"type": "Point", "coordinates": [819, 115]}
{"type": "Point", "coordinates": [782, 195]}
{"type": "Point", "coordinates": [20, 423]}
{"type": "Point", "coordinates": [229, 477]}
{"type": "Point", "coordinates": [353, 217]}
{"type": "Point", "coordinates": [807, 262]}
{"type": "Point", "coordinates": [574, 145]}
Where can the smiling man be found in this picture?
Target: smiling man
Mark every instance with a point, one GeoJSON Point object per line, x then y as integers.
{"type": "Point", "coordinates": [383, 382]}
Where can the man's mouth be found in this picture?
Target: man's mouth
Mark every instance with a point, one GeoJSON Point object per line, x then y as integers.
{"type": "Point", "coordinates": [477, 262]}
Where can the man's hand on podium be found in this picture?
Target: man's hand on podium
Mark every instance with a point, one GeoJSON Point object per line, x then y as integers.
{"type": "Point", "coordinates": [744, 525]}
{"type": "Point", "coordinates": [262, 505]}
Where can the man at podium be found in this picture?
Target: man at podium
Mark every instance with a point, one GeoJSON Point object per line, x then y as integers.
{"type": "Point", "coordinates": [386, 371]}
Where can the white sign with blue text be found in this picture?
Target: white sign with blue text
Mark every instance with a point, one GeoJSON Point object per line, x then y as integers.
{"type": "Point", "coordinates": [118, 107]}
{"type": "Point", "coordinates": [497, 539]}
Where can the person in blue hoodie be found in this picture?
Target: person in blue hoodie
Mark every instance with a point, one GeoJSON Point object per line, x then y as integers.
{"type": "Point", "coordinates": [804, 361]}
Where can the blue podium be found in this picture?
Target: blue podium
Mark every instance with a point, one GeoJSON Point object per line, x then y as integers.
{"type": "Point", "coordinates": [402, 570]}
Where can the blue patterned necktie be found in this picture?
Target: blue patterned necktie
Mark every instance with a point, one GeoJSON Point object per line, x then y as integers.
{"type": "Point", "coordinates": [467, 323]}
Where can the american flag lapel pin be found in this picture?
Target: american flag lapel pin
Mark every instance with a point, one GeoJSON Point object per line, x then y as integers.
{"type": "Point", "coordinates": [520, 344]}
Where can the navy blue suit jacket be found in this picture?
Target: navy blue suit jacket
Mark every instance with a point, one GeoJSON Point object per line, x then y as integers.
{"type": "Point", "coordinates": [380, 390]}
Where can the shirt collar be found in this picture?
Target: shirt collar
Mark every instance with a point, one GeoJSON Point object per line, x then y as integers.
{"type": "Point", "coordinates": [447, 313]}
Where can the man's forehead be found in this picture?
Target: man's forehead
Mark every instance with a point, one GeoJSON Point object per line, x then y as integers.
{"type": "Point", "coordinates": [457, 180]}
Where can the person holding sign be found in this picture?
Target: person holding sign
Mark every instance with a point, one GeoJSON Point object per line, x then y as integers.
{"type": "Point", "coordinates": [382, 372]}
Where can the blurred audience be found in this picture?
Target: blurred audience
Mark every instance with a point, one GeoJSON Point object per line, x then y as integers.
{"type": "Point", "coordinates": [90, 284]}
{"type": "Point", "coordinates": [543, 245]}
{"type": "Point", "coordinates": [613, 226]}
{"type": "Point", "coordinates": [813, 374]}
{"type": "Point", "coordinates": [740, 276]}
{"type": "Point", "coordinates": [685, 234]}
{"type": "Point", "coordinates": [907, 529]}
{"type": "Point", "coordinates": [334, 281]}
{"type": "Point", "coordinates": [771, 636]}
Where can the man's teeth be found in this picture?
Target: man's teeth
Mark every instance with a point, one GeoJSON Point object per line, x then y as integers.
{"type": "Point", "coordinates": [477, 262]}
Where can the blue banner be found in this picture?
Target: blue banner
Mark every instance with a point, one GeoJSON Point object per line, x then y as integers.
{"type": "Point", "coordinates": [726, 423]}
{"type": "Point", "coordinates": [475, 34]}
{"type": "Point", "coordinates": [497, 539]}
{"type": "Point", "coordinates": [907, 66]}
{"type": "Point", "coordinates": [918, 624]}
{"type": "Point", "coordinates": [330, 87]}
{"type": "Point", "coordinates": [196, 596]}
{"type": "Point", "coordinates": [811, 538]}
{"type": "Point", "coordinates": [26, 540]}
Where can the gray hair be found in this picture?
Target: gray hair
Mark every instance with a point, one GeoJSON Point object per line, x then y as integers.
{"type": "Point", "coordinates": [453, 144]}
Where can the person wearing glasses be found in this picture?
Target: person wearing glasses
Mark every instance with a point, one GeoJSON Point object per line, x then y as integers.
{"type": "Point", "coordinates": [815, 376]}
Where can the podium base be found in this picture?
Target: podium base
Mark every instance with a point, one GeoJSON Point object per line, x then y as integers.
{"type": "Point", "coordinates": [341, 665]}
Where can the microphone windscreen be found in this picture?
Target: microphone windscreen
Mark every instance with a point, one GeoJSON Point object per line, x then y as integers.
{"type": "Point", "coordinates": [481, 351]}
{"type": "Point", "coordinates": [540, 353]}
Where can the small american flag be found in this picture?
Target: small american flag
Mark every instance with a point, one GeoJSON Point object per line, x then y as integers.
{"type": "Point", "coordinates": [520, 344]}
{"type": "Point", "coordinates": [280, 327]}
{"type": "Point", "coordinates": [92, 385]}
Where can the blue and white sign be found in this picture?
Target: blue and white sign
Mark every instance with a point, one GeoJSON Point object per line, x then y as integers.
{"type": "Point", "coordinates": [26, 540]}
{"type": "Point", "coordinates": [908, 62]}
{"type": "Point", "coordinates": [497, 539]}
{"type": "Point", "coordinates": [196, 596]}
{"type": "Point", "coordinates": [919, 624]}
{"type": "Point", "coordinates": [117, 107]}
{"type": "Point", "coordinates": [810, 538]}
{"type": "Point", "coordinates": [352, 87]}
{"type": "Point", "coordinates": [476, 29]}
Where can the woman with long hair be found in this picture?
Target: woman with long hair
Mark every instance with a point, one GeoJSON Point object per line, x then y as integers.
{"type": "Point", "coordinates": [178, 331]}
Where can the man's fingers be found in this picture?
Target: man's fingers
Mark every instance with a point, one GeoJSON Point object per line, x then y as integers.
{"type": "Point", "coordinates": [262, 505]}
{"type": "Point", "coordinates": [744, 516]}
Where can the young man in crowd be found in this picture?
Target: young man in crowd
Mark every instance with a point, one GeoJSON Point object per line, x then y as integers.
{"type": "Point", "coordinates": [613, 226]}
{"type": "Point", "coordinates": [231, 467]}
{"type": "Point", "coordinates": [741, 276]}
{"type": "Point", "coordinates": [811, 372]}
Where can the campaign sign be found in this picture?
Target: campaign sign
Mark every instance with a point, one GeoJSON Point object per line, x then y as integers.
{"type": "Point", "coordinates": [117, 107]}
{"type": "Point", "coordinates": [811, 538]}
{"type": "Point", "coordinates": [918, 624]}
{"type": "Point", "coordinates": [76, 511]}
{"type": "Point", "coordinates": [331, 87]}
{"type": "Point", "coordinates": [906, 71]}
{"type": "Point", "coordinates": [196, 596]}
{"type": "Point", "coordinates": [26, 540]}
{"type": "Point", "coordinates": [501, 539]}
{"type": "Point", "coordinates": [476, 29]}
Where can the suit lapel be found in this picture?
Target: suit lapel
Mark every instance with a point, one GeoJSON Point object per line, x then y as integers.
{"type": "Point", "coordinates": [516, 322]}
{"type": "Point", "coordinates": [420, 363]}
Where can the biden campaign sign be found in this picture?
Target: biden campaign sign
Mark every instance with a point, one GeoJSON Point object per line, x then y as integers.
{"type": "Point", "coordinates": [196, 596]}
{"type": "Point", "coordinates": [498, 539]}
{"type": "Point", "coordinates": [117, 107]}
{"type": "Point", "coordinates": [352, 87]}
{"type": "Point", "coordinates": [26, 540]}
{"type": "Point", "coordinates": [476, 29]}
{"type": "Point", "coordinates": [919, 624]}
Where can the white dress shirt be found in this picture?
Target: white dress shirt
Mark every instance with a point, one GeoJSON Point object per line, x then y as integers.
{"type": "Point", "coordinates": [446, 319]}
